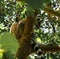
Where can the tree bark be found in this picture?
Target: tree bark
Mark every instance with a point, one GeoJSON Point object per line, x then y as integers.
{"type": "Point", "coordinates": [25, 42]}
{"type": "Point", "coordinates": [49, 48]}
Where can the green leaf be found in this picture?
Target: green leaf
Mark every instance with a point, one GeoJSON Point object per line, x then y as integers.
{"type": "Point", "coordinates": [38, 40]}
{"type": "Point", "coordinates": [8, 42]}
{"type": "Point", "coordinates": [20, 4]}
{"type": "Point", "coordinates": [29, 11]}
{"type": "Point", "coordinates": [37, 4]}
{"type": "Point", "coordinates": [1, 54]}
{"type": "Point", "coordinates": [8, 55]}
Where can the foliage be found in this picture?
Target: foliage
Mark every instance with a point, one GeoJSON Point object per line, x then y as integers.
{"type": "Point", "coordinates": [47, 28]}
{"type": "Point", "coordinates": [8, 43]}
{"type": "Point", "coordinates": [37, 4]}
{"type": "Point", "coordinates": [7, 55]}
{"type": "Point", "coordinates": [1, 54]}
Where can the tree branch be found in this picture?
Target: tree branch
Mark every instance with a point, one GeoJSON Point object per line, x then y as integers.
{"type": "Point", "coordinates": [49, 48]}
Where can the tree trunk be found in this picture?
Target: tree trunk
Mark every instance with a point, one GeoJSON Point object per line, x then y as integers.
{"type": "Point", "coordinates": [25, 42]}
